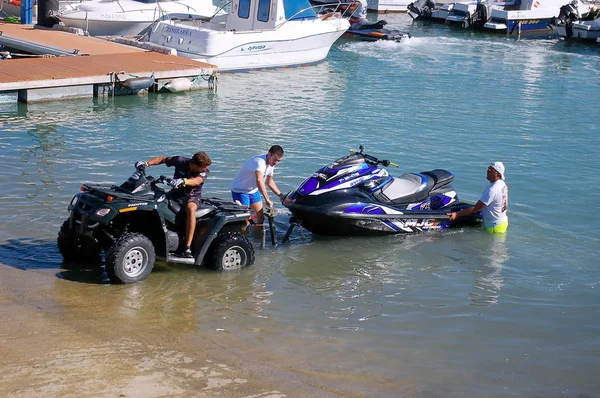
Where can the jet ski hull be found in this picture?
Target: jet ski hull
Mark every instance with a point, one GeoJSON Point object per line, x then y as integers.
{"type": "Point", "coordinates": [361, 219]}
{"type": "Point", "coordinates": [376, 34]}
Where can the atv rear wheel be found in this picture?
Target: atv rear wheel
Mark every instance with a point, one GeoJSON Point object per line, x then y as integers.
{"type": "Point", "coordinates": [130, 259]}
{"type": "Point", "coordinates": [76, 251]}
{"type": "Point", "coordinates": [230, 251]}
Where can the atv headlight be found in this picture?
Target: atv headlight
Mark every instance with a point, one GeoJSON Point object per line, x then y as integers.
{"type": "Point", "coordinates": [74, 200]}
{"type": "Point", "coordinates": [102, 212]}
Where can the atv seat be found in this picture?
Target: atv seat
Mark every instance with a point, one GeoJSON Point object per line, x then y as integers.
{"type": "Point", "coordinates": [202, 211]}
{"type": "Point", "coordinates": [408, 188]}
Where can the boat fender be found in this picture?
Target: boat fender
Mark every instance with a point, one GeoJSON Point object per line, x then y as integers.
{"type": "Point", "coordinates": [138, 83]}
{"type": "Point", "coordinates": [178, 85]}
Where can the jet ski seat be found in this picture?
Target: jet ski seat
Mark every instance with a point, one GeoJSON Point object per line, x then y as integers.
{"type": "Point", "coordinates": [370, 25]}
{"type": "Point", "coordinates": [408, 188]}
{"type": "Point", "coordinates": [202, 211]}
{"type": "Point", "coordinates": [441, 177]}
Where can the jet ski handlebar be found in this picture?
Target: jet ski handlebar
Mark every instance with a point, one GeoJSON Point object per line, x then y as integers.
{"type": "Point", "coordinates": [373, 159]}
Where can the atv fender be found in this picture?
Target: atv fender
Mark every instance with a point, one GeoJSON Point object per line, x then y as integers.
{"type": "Point", "coordinates": [209, 237]}
{"type": "Point", "coordinates": [148, 223]}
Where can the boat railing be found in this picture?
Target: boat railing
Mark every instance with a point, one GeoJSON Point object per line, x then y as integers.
{"type": "Point", "coordinates": [157, 9]}
{"type": "Point", "coordinates": [163, 13]}
{"type": "Point", "coordinates": [222, 8]}
{"type": "Point", "coordinates": [322, 11]}
{"type": "Point", "coordinates": [67, 5]}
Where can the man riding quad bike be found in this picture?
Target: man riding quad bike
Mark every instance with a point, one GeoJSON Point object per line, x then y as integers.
{"type": "Point", "coordinates": [136, 223]}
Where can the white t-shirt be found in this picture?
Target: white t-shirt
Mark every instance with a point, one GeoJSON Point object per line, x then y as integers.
{"type": "Point", "coordinates": [245, 179]}
{"type": "Point", "coordinates": [361, 11]}
{"type": "Point", "coordinates": [495, 198]}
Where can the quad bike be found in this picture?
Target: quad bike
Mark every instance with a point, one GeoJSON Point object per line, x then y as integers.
{"type": "Point", "coordinates": [136, 223]}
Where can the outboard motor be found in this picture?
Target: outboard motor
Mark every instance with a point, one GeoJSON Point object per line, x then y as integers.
{"type": "Point", "coordinates": [421, 9]}
{"type": "Point", "coordinates": [481, 15]}
{"type": "Point", "coordinates": [567, 15]}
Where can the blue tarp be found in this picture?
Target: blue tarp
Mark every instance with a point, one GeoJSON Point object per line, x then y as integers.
{"type": "Point", "coordinates": [292, 8]}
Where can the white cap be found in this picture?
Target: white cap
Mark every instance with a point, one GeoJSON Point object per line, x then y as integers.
{"type": "Point", "coordinates": [499, 167]}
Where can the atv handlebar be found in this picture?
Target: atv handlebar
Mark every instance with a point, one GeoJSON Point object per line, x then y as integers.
{"type": "Point", "coordinates": [163, 180]}
{"type": "Point", "coordinates": [373, 159]}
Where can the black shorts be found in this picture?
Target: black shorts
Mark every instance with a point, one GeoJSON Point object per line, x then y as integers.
{"type": "Point", "coordinates": [184, 200]}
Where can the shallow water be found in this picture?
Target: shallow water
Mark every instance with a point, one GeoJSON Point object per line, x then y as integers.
{"type": "Point", "coordinates": [451, 314]}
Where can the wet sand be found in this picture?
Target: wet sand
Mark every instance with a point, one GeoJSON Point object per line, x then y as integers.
{"type": "Point", "coordinates": [77, 350]}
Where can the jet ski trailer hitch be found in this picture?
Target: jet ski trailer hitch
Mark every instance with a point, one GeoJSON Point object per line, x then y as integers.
{"type": "Point", "coordinates": [270, 213]}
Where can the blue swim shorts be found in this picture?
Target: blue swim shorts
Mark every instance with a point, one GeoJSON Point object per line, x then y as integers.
{"type": "Point", "coordinates": [247, 199]}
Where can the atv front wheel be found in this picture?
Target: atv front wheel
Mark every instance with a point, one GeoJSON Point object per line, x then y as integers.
{"type": "Point", "coordinates": [230, 251]}
{"type": "Point", "coordinates": [74, 249]}
{"type": "Point", "coordinates": [130, 259]}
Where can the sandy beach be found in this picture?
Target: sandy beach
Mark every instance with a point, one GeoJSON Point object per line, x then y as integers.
{"type": "Point", "coordinates": [51, 350]}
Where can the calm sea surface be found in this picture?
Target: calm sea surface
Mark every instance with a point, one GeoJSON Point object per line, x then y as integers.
{"type": "Point", "coordinates": [435, 315]}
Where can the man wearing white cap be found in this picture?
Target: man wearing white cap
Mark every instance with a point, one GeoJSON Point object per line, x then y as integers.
{"type": "Point", "coordinates": [493, 202]}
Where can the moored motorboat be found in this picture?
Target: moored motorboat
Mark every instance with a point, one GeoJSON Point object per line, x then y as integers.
{"type": "Point", "coordinates": [355, 195]}
{"type": "Point", "coordinates": [571, 25]}
{"type": "Point", "coordinates": [132, 17]}
{"type": "Point", "coordinates": [257, 34]}
{"type": "Point", "coordinates": [527, 15]}
{"type": "Point", "coordinates": [514, 16]}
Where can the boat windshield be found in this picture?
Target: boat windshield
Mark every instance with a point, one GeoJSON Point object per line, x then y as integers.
{"type": "Point", "coordinates": [298, 9]}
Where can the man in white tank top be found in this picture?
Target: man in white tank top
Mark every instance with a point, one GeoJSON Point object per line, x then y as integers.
{"type": "Point", "coordinates": [493, 203]}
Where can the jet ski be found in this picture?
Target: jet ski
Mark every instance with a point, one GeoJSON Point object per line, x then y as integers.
{"type": "Point", "coordinates": [360, 29]}
{"type": "Point", "coordinates": [374, 31]}
{"type": "Point", "coordinates": [355, 195]}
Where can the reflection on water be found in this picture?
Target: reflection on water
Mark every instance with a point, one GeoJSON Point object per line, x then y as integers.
{"type": "Point", "coordinates": [488, 279]}
{"type": "Point", "coordinates": [48, 144]}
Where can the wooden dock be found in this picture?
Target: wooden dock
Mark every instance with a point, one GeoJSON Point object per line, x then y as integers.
{"type": "Point", "coordinates": [88, 67]}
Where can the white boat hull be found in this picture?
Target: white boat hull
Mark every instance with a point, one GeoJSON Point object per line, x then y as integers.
{"type": "Point", "coordinates": [131, 18]}
{"type": "Point", "coordinates": [295, 43]}
{"type": "Point", "coordinates": [580, 31]}
{"type": "Point", "coordinates": [108, 27]}
{"type": "Point", "coordinates": [388, 6]}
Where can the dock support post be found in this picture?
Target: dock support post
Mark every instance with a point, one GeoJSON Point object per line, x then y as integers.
{"type": "Point", "coordinates": [26, 12]}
